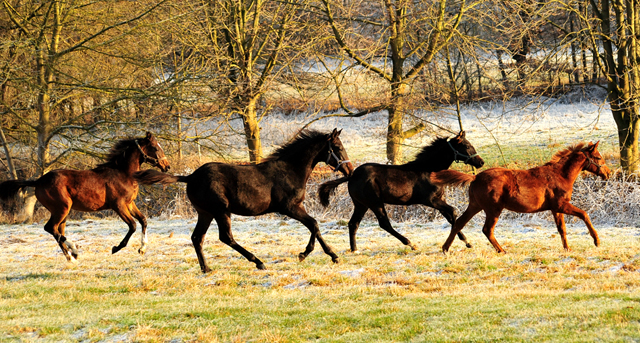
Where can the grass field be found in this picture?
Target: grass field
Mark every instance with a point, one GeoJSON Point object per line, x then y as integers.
{"type": "Point", "coordinates": [385, 293]}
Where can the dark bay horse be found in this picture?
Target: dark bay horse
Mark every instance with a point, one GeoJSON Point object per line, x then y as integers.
{"type": "Point", "coordinates": [544, 188]}
{"type": "Point", "coordinates": [110, 185]}
{"type": "Point", "coordinates": [278, 184]}
{"type": "Point", "coordinates": [372, 185]}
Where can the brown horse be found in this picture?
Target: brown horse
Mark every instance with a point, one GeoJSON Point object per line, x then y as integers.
{"type": "Point", "coordinates": [278, 184]}
{"type": "Point", "coordinates": [372, 185]}
{"type": "Point", "coordinates": [548, 187]}
{"type": "Point", "coordinates": [108, 186]}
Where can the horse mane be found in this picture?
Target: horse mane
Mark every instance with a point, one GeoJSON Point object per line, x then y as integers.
{"type": "Point", "coordinates": [116, 156]}
{"type": "Point", "coordinates": [566, 152]}
{"type": "Point", "coordinates": [429, 152]}
{"type": "Point", "coordinates": [296, 146]}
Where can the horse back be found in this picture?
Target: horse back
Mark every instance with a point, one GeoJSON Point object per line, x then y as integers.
{"type": "Point", "coordinates": [391, 184]}
{"type": "Point", "coordinates": [240, 189]}
{"type": "Point", "coordinates": [85, 190]}
{"type": "Point", "coordinates": [524, 191]}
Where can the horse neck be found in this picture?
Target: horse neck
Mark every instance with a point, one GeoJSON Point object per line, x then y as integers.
{"type": "Point", "coordinates": [303, 165]}
{"type": "Point", "coordinates": [571, 166]}
{"type": "Point", "coordinates": [441, 157]}
{"type": "Point", "coordinates": [132, 164]}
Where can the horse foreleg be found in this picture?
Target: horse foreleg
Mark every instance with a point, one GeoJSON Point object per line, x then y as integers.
{"type": "Point", "coordinates": [358, 213]}
{"type": "Point", "coordinates": [562, 228]}
{"type": "Point", "coordinates": [300, 214]}
{"type": "Point", "coordinates": [385, 224]}
{"type": "Point", "coordinates": [568, 208]}
{"type": "Point", "coordinates": [123, 211]}
{"type": "Point", "coordinates": [197, 237]}
{"type": "Point", "coordinates": [224, 231]}
{"type": "Point", "coordinates": [449, 213]}
{"type": "Point", "coordinates": [459, 224]}
{"type": "Point", "coordinates": [143, 222]}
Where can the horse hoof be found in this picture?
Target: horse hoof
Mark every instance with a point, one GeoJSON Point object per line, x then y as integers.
{"type": "Point", "coordinates": [141, 251]}
{"type": "Point", "coordinates": [335, 260]}
{"type": "Point", "coordinates": [261, 266]}
{"type": "Point", "coordinates": [114, 250]}
{"type": "Point", "coordinates": [301, 257]}
{"type": "Point", "coordinates": [413, 247]}
{"type": "Point", "coordinates": [469, 245]}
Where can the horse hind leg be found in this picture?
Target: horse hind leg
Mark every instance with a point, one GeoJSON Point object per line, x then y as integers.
{"type": "Point", "coordinates": [197, 238]}
{"type": "Point", "coordinates": [449, 213]}
{"type": "Point", "coordinates": [385, 224]}
{"type": "Point", "coordinates": [225, 235]}
{"type": "Point", "coordinates": [459, 224]}
{"type": "Point", "coordinates": [487, 229]}
{"type": "Point", "coordinates": [358, 213]}
{"type": "Point", "coordinates": [53, 226]}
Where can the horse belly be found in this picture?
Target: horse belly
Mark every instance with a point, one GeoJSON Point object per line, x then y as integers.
{"type": "Point", "coordinates": [525, 202]}
{"type": "Point", "coordinates": [89, 200]}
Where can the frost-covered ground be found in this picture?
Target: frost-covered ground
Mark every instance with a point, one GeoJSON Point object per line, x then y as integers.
{"type": "Point", "coordinates": [546, 126]}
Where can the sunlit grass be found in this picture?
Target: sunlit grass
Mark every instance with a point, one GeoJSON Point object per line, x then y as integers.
{"type": "Point", "coordinates": [386, 292]}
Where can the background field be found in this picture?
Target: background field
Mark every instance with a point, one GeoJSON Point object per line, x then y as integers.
{"type": "Point", "coordinates": [386, 292]}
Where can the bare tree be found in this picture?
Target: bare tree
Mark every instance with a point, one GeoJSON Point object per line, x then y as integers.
{"type": "Point", "coordinates": [69, 68]}
{"type": "Point", "coordinates": [395, 40]}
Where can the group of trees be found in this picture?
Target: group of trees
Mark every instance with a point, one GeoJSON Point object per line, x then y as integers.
{"type": "Point", "coordinates": [74, 73]}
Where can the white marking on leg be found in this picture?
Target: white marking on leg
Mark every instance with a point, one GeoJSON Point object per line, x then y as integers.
{"type": "Point", "coordinates": [143, 242]}
{"type": "Point", "coordinates": [71, 246]}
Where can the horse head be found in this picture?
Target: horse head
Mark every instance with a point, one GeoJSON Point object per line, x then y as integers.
{"type": "Point", "coordinates": [152, 152]}
{"type": "Point", "coordinates": [595, 163]}
{"type": "Point", "coordinates": [337, 155]}
{"type": "Point", "coordinates": [464, 151]}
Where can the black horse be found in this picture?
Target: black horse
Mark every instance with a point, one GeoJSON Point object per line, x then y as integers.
{"type": "Point", "coordinates": [278, 184]}
{"type": "Point", "coordinates": [110, 185]}
{"type": "Point", "coordinates": [372, 185]}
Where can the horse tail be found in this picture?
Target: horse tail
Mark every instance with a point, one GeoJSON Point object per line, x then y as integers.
{"type": "Point", "coordinates": [451, 177]}
{"type": "Point", "coordinates": [151, 176]}
{"type": "Point", "coordinates": [10, 188]}
{"type": "Point", "coordinates": [328, 188]}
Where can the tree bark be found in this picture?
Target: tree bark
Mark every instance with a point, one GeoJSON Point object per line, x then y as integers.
{"type": "Point", "coordinates": [252, 131]}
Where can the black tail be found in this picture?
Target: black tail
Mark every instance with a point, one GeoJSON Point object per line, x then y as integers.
{"type": "Point", "coordinates": [326, 189]}
{"type": "Point", "coordinates": [9, 189]}
{"type": "Point", "coordinates": [150, 177]}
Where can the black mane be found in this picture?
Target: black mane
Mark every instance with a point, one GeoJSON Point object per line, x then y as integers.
{"type": "Point", "coordinates": [297, 145]}
{"type": "Point", "coordinates": [117, 155]}
{"type": "Point", "coordinates": [432, 154]}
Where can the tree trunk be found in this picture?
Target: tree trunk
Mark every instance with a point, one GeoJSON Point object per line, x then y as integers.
{"type": "Point", "coordinates": [397, 108]}
{"type": "Point", "coordinates": [627, 123]}
{"type": "Point", "coordinates": [252, 131]}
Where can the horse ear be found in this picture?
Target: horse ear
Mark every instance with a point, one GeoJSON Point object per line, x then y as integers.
{"type": "Point", "coordinates": [149, 135]}
{"type": "Point", "coordinates": [595, 146]}
{"type": "Point", "coordinates": [335, 133]}
{"type": "Point", "coordinates": [460, 136]}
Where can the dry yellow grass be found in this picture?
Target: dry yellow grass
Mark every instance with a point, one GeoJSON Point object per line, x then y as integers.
{"type": "Point", "coordinates": [384, 293]}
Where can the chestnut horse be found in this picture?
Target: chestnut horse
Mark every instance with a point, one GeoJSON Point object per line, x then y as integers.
{"type": "Point", "coordinates": [372, 185]}
{"type": "Point", "coordinates": [110, 185]}
{"type": "Point", "coordinates": [278, 184]}
{"type": "Point", "coordinates": [544, 188]}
